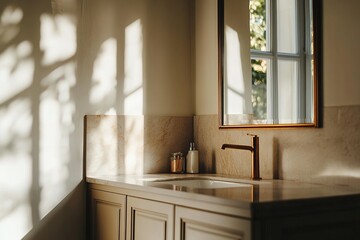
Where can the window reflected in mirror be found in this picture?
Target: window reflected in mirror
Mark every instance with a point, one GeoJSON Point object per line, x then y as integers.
{"type": "Point", "coordinates": [268, 75]}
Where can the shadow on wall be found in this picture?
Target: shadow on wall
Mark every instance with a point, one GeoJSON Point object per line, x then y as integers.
{"type": "Point", "coordinates": [115, 55]}
{"type": "Point", "coordinates": [50, 78]}
{"type": "Point", "coordinates": [40, 121]}
{"type": "Point", "coordinates": [39, 164]}
{"type": "Point", "coordinates": [62, 221]}
{"type": "Point", "coordinates": [139, 55]}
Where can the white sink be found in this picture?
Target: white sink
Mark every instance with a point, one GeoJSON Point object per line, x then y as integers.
{"type": "Point", "coordinates": [204, 183]}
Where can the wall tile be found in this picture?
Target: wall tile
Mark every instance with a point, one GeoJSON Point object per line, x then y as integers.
{"type": "Point", "coordinates": [138, 144]}
{"type": "Point", "coordinates": [134, 144]}
{"type": "Point", "coordinates": [330, 154]}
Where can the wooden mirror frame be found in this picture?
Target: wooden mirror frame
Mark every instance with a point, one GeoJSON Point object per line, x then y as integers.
{"type": "Point", "coordinates": [317, 39]}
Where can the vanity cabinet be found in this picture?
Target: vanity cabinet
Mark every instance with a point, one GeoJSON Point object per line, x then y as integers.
{"type": "Point", "coordinates": [108, 215]}
{"type": "Point", "coordinates": [146, 219]}
{"type": "Point", "coordinates": [130, 212]}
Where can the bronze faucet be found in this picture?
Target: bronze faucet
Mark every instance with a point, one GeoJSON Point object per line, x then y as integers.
{"type": "Point", "coordinates": [254, 149]}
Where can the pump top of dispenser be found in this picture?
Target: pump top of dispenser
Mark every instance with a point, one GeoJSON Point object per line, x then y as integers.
{"type": "Point", "coordinates": [176, 155]}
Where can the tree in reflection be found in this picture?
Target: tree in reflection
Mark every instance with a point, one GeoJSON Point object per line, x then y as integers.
{"type": "Point", "coordinates": [258, 66]}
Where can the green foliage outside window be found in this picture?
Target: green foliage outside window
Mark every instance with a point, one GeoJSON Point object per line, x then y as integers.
{"type": "Point", "coordinates": [258, 24]}
{"type": "Point", "coordinates": [258, 66]}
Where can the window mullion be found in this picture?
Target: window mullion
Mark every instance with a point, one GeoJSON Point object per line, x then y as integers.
{"type": "Point", "coordinates": [308, 60]}
{"type": "Point", "coordinates": [302, 50]}
{"type": "Point", "coordinates": [260, 54]}
{"type": "Point", "coordinates": [274, 49]}
{"type": "Point", "coordinates": [288, 56]}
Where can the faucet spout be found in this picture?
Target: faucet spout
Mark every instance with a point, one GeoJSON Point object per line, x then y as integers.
{"type": "Point", "coordinates": [254, 149]}
{"type": "Point", "coordinates": [235, 146]}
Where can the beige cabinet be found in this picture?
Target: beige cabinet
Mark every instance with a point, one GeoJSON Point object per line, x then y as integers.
{"type": "Point", "coordinates": [149, 220]}
{"type": "Point", "coordinates": [108, 215]}
{"type": "Point", "coordinates": [192, 224]}
{"type": "Point", "coordinates": [148, 216]}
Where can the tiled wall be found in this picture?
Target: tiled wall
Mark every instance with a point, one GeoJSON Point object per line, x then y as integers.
{"type": "Point", "coordinates": [137, 144]}
{"type": "Point", "coordinates": [329, 154]}
{"type": "Point", "coordinates": [134, 144]}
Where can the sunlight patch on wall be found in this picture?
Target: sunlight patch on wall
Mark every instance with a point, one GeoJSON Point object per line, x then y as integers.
{"type": "Point", "coordinates": [133, 99]}
{"type": "Point", "coordinates": [9, 23]}
{"type": "Point", "coordinates": [16, 120]}
{"type": "Point", "coordinates": [56, 124]}
{"type": "Point", "coordinates": [20, 124]}
{"type": "Point", "coordinates": [234, 75]}
{"type": "Point", "coordinates": [111, 111]}
{"type": "Point", "coordinates": [337, 170]}
{"type": "Point", "coordinates": [104, 74]}
{"type": "Point", "coordinates": [58, 43]}
{"type": "Point", "coordinates": [134, 144]}
{"type": "Point", "coordinates": [16, 70]}
{"type": "Point", "coordinates": [133, 82]}
{"type": "Point", "coordinates": [58, 38]}
{"type": "Point", "coordinates": [15, 168]}
{"type": "Point", "coordinates": [107, 134]}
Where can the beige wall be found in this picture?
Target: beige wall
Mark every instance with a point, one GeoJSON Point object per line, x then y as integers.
{"type": "Point", "coordinates": [341, 37]}
{"type": "Point", "coordinates": [328, 154]}
{"type": "Point", "coordinates": [341, 50]}
{"type": "Point", "coordinates": [143, 51]}
{"type": "Point", "coordinates": [56, 67]}
{"type": "Point", "coordinates": [134, 144]}
{"type": "Point", "coordinates": [206, 60]}
{"type": "Point", "coordinates": [321, 155]}
{"type": "Point", "coordinates": [41, 188]}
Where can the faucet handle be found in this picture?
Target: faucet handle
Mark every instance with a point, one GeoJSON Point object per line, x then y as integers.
{"type": "Point", "coordinates": [252, 135]}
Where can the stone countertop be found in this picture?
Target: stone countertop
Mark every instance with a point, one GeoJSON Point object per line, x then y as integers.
{"type": "Point", "coordinates": [253, 195]}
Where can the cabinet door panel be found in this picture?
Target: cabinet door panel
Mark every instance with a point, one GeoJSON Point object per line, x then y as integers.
{"type": "Point", "coordinates": [108, 215]}
{"type": "Point", "coordinates": [149, 220]}
{"type": "Point", "coordinates": [191, 224]}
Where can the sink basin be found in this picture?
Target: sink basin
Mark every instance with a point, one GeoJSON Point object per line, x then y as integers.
{"type": "Point", "coordinates": [204, 183]}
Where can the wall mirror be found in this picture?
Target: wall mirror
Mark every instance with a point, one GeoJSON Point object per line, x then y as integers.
{"type": "Point", "coordinates": [268, 63]}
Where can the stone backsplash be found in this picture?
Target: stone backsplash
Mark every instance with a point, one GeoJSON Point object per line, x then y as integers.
{"type": "Point", "coordinates": [328, 154]}
{"type": "Point", "coordinates": [134, 144]}
{"type": "Point", "coordinates": [142, 144]}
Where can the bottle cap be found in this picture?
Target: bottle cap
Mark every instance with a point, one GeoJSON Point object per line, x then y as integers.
{"type": "Point", "coordinates": [176, 155]}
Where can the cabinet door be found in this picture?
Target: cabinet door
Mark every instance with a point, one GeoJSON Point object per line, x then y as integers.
{"type": "Point", "coordinates": [108, 215]}
{"type": "Point", "coordinates": [149, 220]}
{"type": "Point", "coordinates": [191, 224]}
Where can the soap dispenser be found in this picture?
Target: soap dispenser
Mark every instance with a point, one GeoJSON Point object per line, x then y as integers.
{"type": "Point", "coordinates": [192, 160]}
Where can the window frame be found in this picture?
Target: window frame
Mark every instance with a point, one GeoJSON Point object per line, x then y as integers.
{"type": "Point", "coordinates": [303, 56]}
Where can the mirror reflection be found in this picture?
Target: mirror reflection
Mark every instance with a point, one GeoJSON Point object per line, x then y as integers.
{"type": "Point", "coordinates": [268, 64]}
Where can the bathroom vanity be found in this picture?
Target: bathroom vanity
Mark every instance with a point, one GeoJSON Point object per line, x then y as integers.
{"type": "Point", "coordinates": [174, 206]}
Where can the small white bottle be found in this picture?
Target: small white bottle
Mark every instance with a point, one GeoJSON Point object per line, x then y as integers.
{"type": "Point", "coordinates": [192, 160]}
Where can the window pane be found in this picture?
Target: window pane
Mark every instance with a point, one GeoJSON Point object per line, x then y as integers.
{"type": "Point", "coordinates": [288, 74]}
{"type": "Point", "coordinates": [258, 25]}
{"type": "Point", "coordinates": [260, 77]}
{"type": "Point", "coordinates": [286, 26]}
